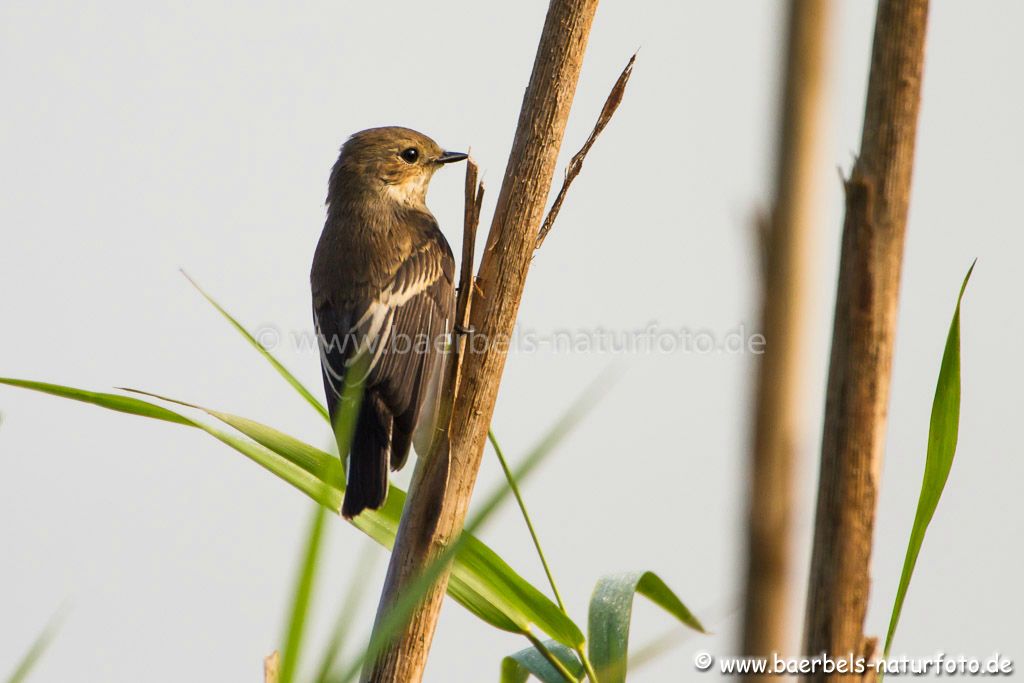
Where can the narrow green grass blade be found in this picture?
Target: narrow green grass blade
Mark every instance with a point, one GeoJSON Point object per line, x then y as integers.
{"type": "Point", "coordinates": [351, 397]}
{"type": "Point", "coordinates": [37, 649]}
{"type": "Point", "coordinates": [354, 597]}
{"type": "Point", "coordinates": [542, 610]}
{"type": "Point", "coordinates": [481, 581]}
{"type": "Point", "coordinates": [513, 485]}
{"type": "Point", "coordinates": [399, 613]}
{"type": "Point", "coordinates": [302, 596]}
{"type": "Point", "coordinates": [611, 610]}
{"type": "Point", "coordinates": [516, 668]}
{"type": "Point", "coordinates": [943, 431]}
{"type": "Point", "coordinates": [281, 369]}
{"type": "Point", "coordinates": [589, 398]}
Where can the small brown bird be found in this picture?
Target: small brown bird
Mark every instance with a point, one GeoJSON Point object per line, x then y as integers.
{"type": "Point", "coordinates": [382, 291]}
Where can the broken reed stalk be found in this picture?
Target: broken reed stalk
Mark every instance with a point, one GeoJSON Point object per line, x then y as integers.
{"type": "Point", "coordinates": [443, 483]}
{"type": "Point", "coordinates": [463, 305]}
{"type": "Point", "coordinates": [877, 200]}
{"type": "Point", "coordinates": [611, 103]}
{"type": "Point", "coordinates": [779, 411]}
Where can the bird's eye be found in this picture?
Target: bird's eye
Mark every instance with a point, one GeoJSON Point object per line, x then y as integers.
{"type": "Point", "coordinates": [410, 155]}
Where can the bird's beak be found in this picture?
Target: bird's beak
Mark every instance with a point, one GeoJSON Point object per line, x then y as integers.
{"type": "Point", "coordinates": [450, 157]}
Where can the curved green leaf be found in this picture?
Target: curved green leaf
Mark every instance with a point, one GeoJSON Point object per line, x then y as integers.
{"type": "Point", "coordinates": [516, 668]}
{"type": "Point", "coordinates": [487, 581]}
{"type": "Point", "coordinates": [481, 581]}
{"type": "Point", "coordinates": [943, 431]}
{"type": "Point", "coordinates": [611, 610]}
{"type": "Point", "coordinates": [294, 473]}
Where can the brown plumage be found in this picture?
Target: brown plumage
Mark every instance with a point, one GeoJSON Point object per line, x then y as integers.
{"type": "Point", "coordinates": [382, 286]}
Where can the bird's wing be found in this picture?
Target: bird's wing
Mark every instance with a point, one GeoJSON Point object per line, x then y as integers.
{"type": "Point", "coordinates": [401, 328]}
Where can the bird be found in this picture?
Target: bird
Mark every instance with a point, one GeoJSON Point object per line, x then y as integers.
{"type": "Point", "coordinates": [382, 288]}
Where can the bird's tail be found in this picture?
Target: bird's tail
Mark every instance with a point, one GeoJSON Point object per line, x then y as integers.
{"type": "Point", "coordinates": [367, 486]}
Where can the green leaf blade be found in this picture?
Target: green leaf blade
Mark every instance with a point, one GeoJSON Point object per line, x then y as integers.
{"type": "Point", "coordinates": [481, 581]}
{"type": "Point", "coordinates": [481, 578]}
{"type": "Point", "coordinates": [943, 433]}
{"type": "Point", "coordinates": [115, 402]}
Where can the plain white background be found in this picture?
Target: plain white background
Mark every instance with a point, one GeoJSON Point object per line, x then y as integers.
{"type": "Point", "coordinates": [138, 138]}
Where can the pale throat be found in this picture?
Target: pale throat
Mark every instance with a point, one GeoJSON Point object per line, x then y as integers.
{"type": "Point", "coordinates": [411, 192]}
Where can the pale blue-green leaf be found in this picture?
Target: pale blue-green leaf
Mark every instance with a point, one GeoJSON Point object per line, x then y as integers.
{"type": "Point", "coordinates": [518, 667]}
{"type": "Point", "coordinates": [611, 610]}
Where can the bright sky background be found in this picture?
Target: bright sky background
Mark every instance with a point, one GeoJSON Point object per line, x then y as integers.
{"type": "Point", "coordinates": [140, 138]}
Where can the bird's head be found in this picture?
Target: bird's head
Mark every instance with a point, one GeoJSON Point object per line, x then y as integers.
{"type": "Point", "coordinates": [394, 163]}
